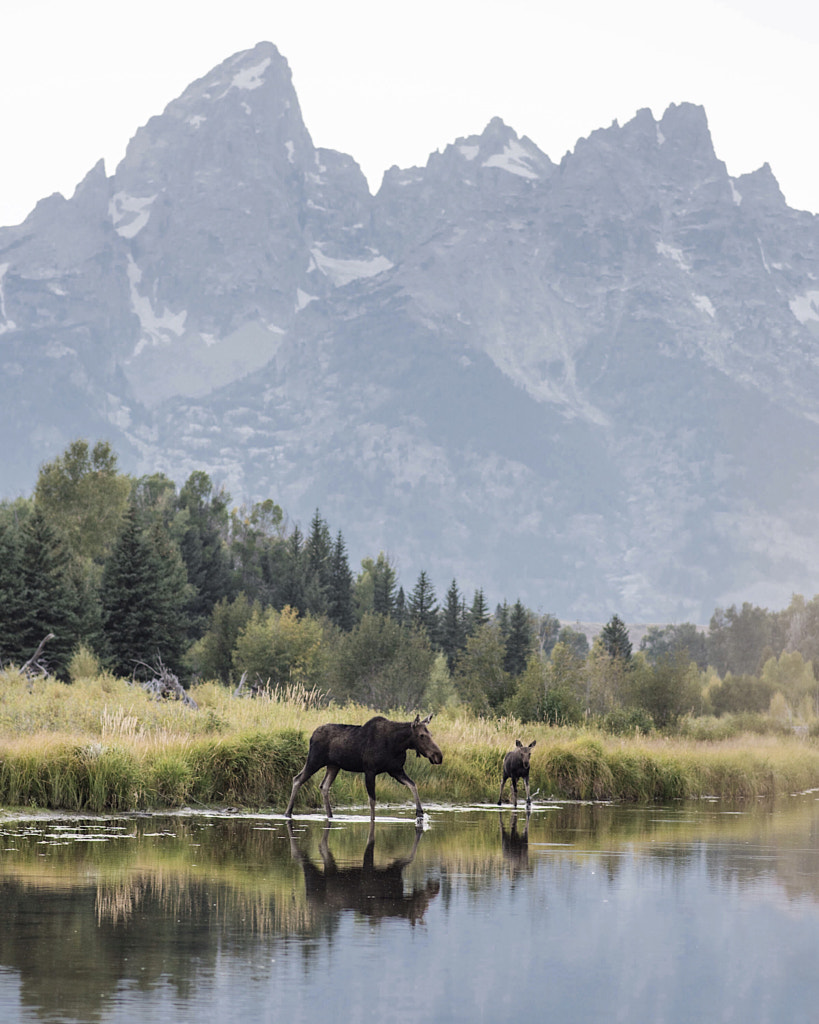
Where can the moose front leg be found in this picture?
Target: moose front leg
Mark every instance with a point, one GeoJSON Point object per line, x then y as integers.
{"type": "Point", "coordinates": [369, 782]}
{"type": "Point", "coordinates": [405, 780]}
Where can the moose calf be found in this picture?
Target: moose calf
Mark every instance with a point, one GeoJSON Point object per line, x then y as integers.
{"type": "Point", "coordinates": [516, 766]}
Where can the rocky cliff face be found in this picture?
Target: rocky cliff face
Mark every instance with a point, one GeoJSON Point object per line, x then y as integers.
{"type": "Point", "coordinates": [593, 385]}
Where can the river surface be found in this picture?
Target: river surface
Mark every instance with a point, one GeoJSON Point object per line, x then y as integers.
{"type": "Point", "coordinates": [576, 913]}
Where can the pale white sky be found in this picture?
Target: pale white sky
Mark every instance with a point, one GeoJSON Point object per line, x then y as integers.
{"type": "Point", "coordinates": [389, 83]}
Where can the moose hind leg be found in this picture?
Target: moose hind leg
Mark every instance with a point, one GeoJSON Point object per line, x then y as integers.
{"type": "Point", "coordinates": [326, 782]}
{"type": "Point", "coordinates": [298, 781]}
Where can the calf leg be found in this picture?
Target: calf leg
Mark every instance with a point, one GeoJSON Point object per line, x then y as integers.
{"type": "Point", "coordinates": [503, 783]}
{"type": "Point", "coordinates": [405, 780]}
{"type": "Point", "coordinates": [326, 782]}
{"type": "Point", "coordinates": [526, 784]}
{"type": "Point", "coordinates": [514, 792]}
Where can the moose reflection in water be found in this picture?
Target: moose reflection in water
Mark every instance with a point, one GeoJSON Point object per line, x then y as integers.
{"type": "Point", "coordinates": [376, 747]}
{"type": "Point", "coordinates": [514, 844]}
{"type": "Point", "coordinates": [376, 892]}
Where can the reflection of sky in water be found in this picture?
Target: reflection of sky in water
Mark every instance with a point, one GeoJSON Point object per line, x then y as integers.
{"type": "Point", "coordinates": [652, 926]}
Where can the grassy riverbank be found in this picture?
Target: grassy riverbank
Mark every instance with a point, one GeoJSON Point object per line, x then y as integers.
{"type": "Point", "coordinates": [101, 744]}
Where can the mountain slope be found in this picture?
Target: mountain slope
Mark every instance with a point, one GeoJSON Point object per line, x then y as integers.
{"type": "Point", "coordinates": [590, 384]}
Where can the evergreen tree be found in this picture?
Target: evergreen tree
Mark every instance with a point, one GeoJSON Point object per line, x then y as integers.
{"type": "Point", "coordinates": [340, 608]}
{"type": "Point", "coordinates": [453, 626]}
{"type": "Point", "coordinates": [11, 593]}
{"type": "Point", "coordinates": [172, 595]}
{"type": "Point", "coordinates": [211, 657]}
{"type": "Point", "coordinates": [400, 614]}
{"type": "Point", "coordinates": [518, 640]}
{"type": "Point", "coordinates": [478, 612]}
{"type": "Point", "coordinates": [383, 586]}
{"type": "Point", "coordinates": [204, 523]}
{"type": "Point", "coordinates": [614, 637]}
{"type": "Point", "coordinates": [375, 587]}
{"type": "Point", "coordinates": [294, 582]}
{"type": "Point", "coordinates": [318, 557]}
{"type": "Point", "coordinates": [48, 600]}
{"type": "Point", "coordinates": [136, 602]}
{"type": "Point", "coordinates": [502, 619]}
{"type": "Point", "coordinates": [422, 607]}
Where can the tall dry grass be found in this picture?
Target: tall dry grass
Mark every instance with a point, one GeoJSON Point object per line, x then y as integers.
{"type": "Point", "coordinates": [102, 744]}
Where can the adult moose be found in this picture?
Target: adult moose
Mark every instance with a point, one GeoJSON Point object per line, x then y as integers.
{"type": "Point", "coordinates": [376, 747]}
{"type": "Point", "coordinates": [516, 766]}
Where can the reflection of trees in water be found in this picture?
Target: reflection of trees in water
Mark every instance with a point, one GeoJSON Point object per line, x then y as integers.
{"type": "Point", "coordinates": [376, 892]}
{"type": "Point", "coordinates": [81, 920]}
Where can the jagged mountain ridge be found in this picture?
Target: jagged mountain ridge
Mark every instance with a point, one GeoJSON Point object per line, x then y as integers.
{"type": "Point", "coordinates": [590, 384]}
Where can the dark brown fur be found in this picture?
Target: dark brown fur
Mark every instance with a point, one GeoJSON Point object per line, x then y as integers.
{"type": "Point", "coordinates": [516, 766]}
{"type": "Point", "coordinates": [376, 747]}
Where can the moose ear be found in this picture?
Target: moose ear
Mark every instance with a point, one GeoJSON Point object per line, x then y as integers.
{"type": "Point", "coordinates": [532, 744]}
{"type": "Point", "coordinates": [428, 719]}
{"type": "Point", "coordinates": [417, 721]}
{"type": "Point", "coordinates": [518, 743]}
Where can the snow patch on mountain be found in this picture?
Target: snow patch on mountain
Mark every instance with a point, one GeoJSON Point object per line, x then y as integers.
{"type": "Point", "coordinates": [514, 159]}
{"type": "Point", "coordinates": [155, 329]}
{"type": "Point", "coordinates": [805, 307]}
{"type": "Point", "coordinates": [343, 271]}
{"type": "Point", "coordinates": [6, 324]}
{"type": "Point", "coordinates": [123, 206]}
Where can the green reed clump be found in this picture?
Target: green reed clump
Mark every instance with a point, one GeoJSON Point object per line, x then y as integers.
{"type": "Point", "coordinates": [250, 768]}
{"type": "Point", "coordinates": [579, 771]}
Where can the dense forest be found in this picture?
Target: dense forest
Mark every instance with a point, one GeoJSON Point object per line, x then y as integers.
{"type": "Point", "coordinates": [128, 574]}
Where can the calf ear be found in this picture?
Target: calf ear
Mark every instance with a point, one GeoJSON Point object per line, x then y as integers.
{"type": "Point", "coordinates": [428, 719]}
{"type": "Point", "coordinates": [532, 744]}
{"type": "Point", "coordinates": [518, 743]}
{"type": "Point", "coordinates": [417, 721]}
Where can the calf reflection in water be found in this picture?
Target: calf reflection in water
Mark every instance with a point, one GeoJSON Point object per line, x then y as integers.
{"type": "Point", "coordinates": [376, 892]}
{"type": "Point", "coordinates": [514, 844]}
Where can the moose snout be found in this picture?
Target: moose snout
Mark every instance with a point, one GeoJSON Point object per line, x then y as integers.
{"type": "Point", "coordinates": [436, 757]}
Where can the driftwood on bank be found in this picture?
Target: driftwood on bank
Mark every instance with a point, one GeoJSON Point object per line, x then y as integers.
{"type": "Point", "coordinates": [35, 666]}
{"type": "Point", "coordinates": [245, 689]}
{"type": "Point", "coordinates": [165, 685]}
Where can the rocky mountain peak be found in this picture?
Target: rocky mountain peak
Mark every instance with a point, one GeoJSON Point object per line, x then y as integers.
{"type": "Point", "coordinates": [591, 385]}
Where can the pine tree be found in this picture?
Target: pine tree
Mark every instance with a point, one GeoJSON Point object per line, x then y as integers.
{"type": "Point", "coordinates": [11, 594]}
{"type": "Point", "coordinates": [136, 603]}
{"type": "Point", "coordinates": [48, 599]}
{"type": "Point", "coordinates": [340, 608]}
{"type": "Point", "coordinates": [453, 626]}
{"type": "Point", "coordinates": [202, 546]}
{"type": "Point", "coordinates": [294, 583]}
{"type": "Point", "coordinates": [422, 608]}
{"type": "Point", "coordinates": [478, 613]}
{"type": "Point", "coordinates": [383, 586]}
{"type": "Point", "coordinates": [614, 637]}
{"type": "Point", "coordinates": [318, 554]}
{"type": "Point", "coordinates": [518, 640]}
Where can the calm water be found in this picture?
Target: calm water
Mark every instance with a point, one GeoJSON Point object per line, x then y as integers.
{"type": "Point", "coordinates": [582, 913]}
